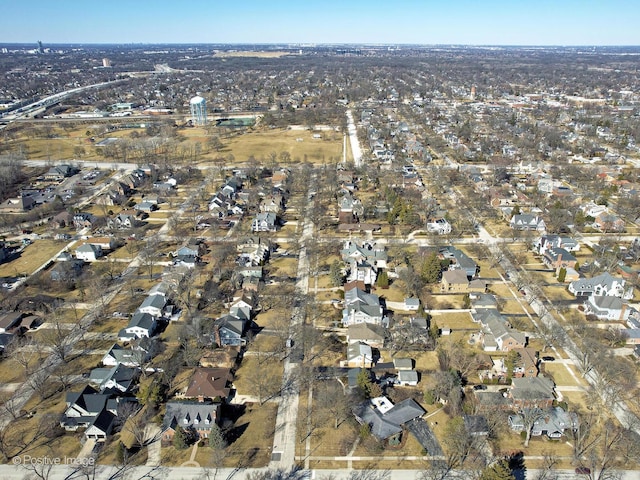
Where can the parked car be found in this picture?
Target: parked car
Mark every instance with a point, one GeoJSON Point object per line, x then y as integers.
{"type": "Point", "coordinates": [548, 358]}
{"type": "Point", "coordinates": [583, 470]}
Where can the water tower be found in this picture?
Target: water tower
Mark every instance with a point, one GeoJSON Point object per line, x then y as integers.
{"type": "Point", "coordinates": [198, 107]}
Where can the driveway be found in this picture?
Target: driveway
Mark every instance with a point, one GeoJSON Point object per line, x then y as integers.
{"type": "Point", "coordinates": [419, 428]}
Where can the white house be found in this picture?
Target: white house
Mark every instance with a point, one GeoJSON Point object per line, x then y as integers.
{"type": "Point", "coordinates": [140, 325]}
{"type": "Point", "coordinates": [153, 305]}
{"type": "Point", "coordinates": [604, 284]}
{"type": "Point", "coordinates": [88, 252]}
{"type": "Point", "coordinates": [439, 225]}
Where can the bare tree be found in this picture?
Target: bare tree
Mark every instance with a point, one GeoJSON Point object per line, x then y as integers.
{"type": "Point", "coordinates": [529, 417]}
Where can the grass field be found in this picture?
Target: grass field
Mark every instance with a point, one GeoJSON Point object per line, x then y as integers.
{"type": "Point", "coordinates": [328, 149]}
{"type": "Point", "coordinates": [31, 258]}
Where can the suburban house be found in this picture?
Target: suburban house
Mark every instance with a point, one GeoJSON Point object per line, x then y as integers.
{"type": "Point", "coordinates": [153, 305]}
{"type": "Point", "coordinates": [66, 271]}
{"type": "Point", "coordinates": [254, 249]}
{"type": "Point", "coordinates": [438, 225]}
{"type": "Point", "coordinates": [527, 221]}
{"type": "Point", "coordinates": [375, 256]}
{"type": "Point", "coordinates": [454, 281]}
{"type": "Point", "coordinates": [62, 220]}
{"type": "Point", "coordinates": [608, 222]}
{"type": "Point", "coordinates": [553, 423]}
{"type": "Point", "coordinates": [527, 364]}
{"type": "Point", "coordinates": [210, 383]}
{"type": "Point", "coordinates": [407, 378]}
{"type": "Point", "coordinates": [105, 243]}
{"type": "Point", "coordinates": [264, 222]}
{"type": "Point", "coordinates": [476, 425]}
{"type": "Point", "coordinates": [459, 261]}
{"type": "Point", "coordinates": [496, 333]}
{"type": "Point", "coordinates": [84, 220]}
{"type": "Point", "coordinates": [197, 416]}
{"type": "Point", "coordinates": [123, 221]}
{"type": "Point", "coordinates": [607, 308]}
{"type": "Point", "coordinates": [530, 392]}
{"type": "Point", "coordinates": [140, 325]}
{"type": "Point", "coordinates": [88, 252]}
{"type": "Point", "coordinates": [273, 204]}
{"type": "Point", "coordinates": [412, 304]}
{"type": "Point", "coordinates": [386, 420]}
{"type": "Point", "coordinates": [228, 331]}
{"type": "Point", "coordinates": [10, 321]}
{"type": "Point", "coordinates": [547, 242]}
{"type": "Point", "coordinates": [362, 271]}
{"type": "Point", "coordinates": [557, 258]}
{"type": "Point", "coordinates": [359, 354]}
{"type": "Point", "coordinates": [601, 285]}
{"type": "Point", "coordinates": [146, 207]}
{"type": "Point", "coordinates": [362, 307]}
{"type": "Point", "coordinates": [91, 410]}
{"type": "Point", "coordinates": [131, 356]}
{"type": "Point", "coordinates": [118, 379]}
{"type": "Point", "coordinates": [368, 333]}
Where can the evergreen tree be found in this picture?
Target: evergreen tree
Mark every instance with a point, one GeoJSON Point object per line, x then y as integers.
{"type": "Point", "coordinates": [180, 438]}
{"type": "Point", "coordinates": [498, 471]}
{"type": "Point", "coordinates": [562, 274]}
{"type": "Point", "coordinates": [383, 280]}
{"type": "Point", "coordinates": [216, 438]}
{"type": "Point", "coordinates": [431, 268]}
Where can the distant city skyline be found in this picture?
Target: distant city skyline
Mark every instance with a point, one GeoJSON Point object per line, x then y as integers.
{"type": "Point", "coordinates": [427, 22]}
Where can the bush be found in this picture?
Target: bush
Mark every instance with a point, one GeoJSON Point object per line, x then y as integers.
{"type": "Point", "coordinates": [429, 398]}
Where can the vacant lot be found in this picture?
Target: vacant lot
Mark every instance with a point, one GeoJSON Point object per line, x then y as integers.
{"type": "Point", "coordinates": [32, 257]}
{"type": "Point", "coordinates": [300, 145]}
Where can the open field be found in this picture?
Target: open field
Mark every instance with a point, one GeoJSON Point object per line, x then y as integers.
{"type": "Point", "coordinates": [32, 257]}
{"type": "Point", "coordinates": [327, 149]}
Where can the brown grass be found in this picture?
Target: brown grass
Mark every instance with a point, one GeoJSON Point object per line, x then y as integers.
{"type": "Point", "coordinates": [253, 447]}
{"type": "Point", "coordinates": [31, 258]}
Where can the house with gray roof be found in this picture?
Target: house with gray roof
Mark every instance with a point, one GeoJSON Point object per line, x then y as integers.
{"type": "Point", "coordinates": [557, 258]}
{"type": "Point", "coordinates": [601, 285]}
{"type": "Point", "coordinates": [385, 419]}
{"type": "Point", "coordinates": [407, 378]}
{"type": "Point", "coordinates": [198, 416]}
{"type": "Point", "coordinates": [553, 423]}
{"type": "Point", "coordinates": [369, 333]}
{"type": "Point", "coordinates": [359, 354]}
{"type": "Point", "coordinates": [88, 252]}
{"type": "Point", "coordinates": [118, 379]}
{"type": "Point", "coordinates": [527, 221]}
{"type": "Point", "coordinates": [530, 392]}
{"type": "Point", "coordinates": [141, 325]}
{"type": "Point", "coordinates": [264, 222]}
{"type": "Point", "coordinates": [131, 356]}
{"type": "Point", "coordinates": [229, 331]}
{"type": "Point", "coordinates": [91, 410]}
{"type": "Point", "coordinates": [153, 305]}
{"type": "Point", "coordinates": [459, 261]}
{"type": "Point", "coordinates": [365, 251]}
{"type": "Point", "coordinates": [362, 307]}
{"type": "Point", "coordinates": [607, 308]}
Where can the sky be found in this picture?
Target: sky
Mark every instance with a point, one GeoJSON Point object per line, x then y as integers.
{"type": "Point", "coordinates": [428, 22]}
